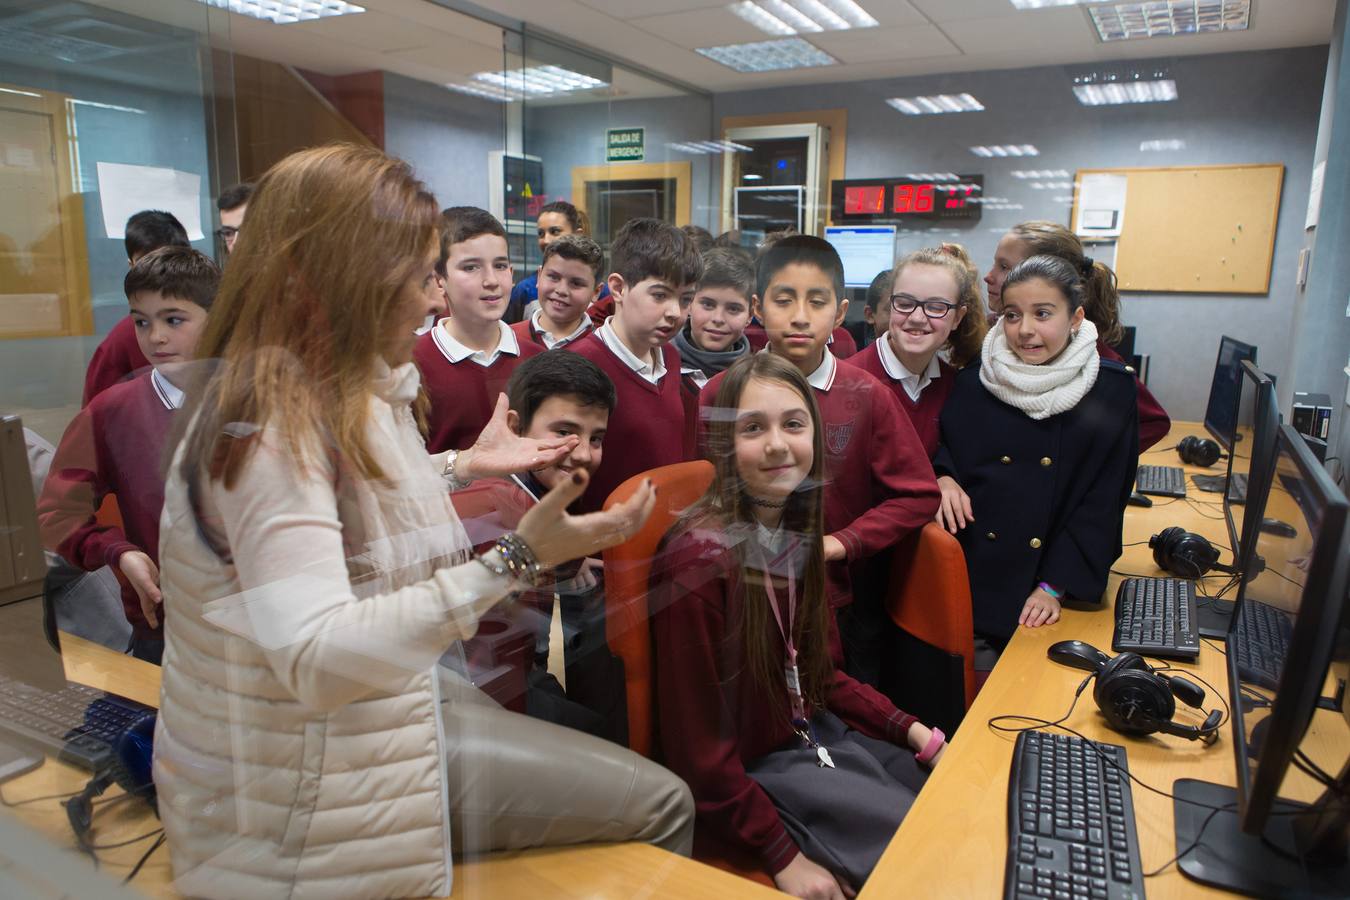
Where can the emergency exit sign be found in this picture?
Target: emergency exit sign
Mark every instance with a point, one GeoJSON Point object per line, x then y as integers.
{"type": "Point", "coordinates": [625, 144]}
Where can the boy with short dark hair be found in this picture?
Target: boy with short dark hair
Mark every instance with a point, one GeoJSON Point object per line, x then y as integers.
{"type": "Point", "coordinates": [467, 357]}
{"type": "Point", "coordinates": [880, 484]}
{"type": "Point", "coordinates": [232, 204]}
{"type": "Point", "coordinates": [116, 443]}
{"type": "Point", "coordinates": [655, 269]}
{"type": "Point", "coordinates": [714, 337]}
{"type": "Point", "coordinates": [568, 282]}
{"type": "Point", "coordinates": [118, 354]}
{"type": "Point", "coordinates": [550, 395]}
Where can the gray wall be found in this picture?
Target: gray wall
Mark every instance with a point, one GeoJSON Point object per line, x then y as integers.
{"type": "Point", "coordinates": [1233, 108]}
{"type": "Point", "coordinates": [445, 135]}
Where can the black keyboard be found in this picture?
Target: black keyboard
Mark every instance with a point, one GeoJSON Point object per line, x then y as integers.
{"type": "Point", "coordinates": [1071, 821]}
{"type": "Point", "coordinates": [1260, 643]}
{"type": "Point", "coordinates": [1214, 484]}
{"type": "Point", "coordinates": [77, 724]}
{"type": "Point", "coordinates": [1164, 481]}
{"type": "Point", "coordinates": [1157, 617]}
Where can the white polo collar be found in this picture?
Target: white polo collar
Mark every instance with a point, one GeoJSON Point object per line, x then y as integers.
{"type": "Point", "coordinates": [912, 383]}
{"type": "Point", "coordinates": [456, 352]}
{"type": "Point", "coordinates": [822, 379]}
{"type": "Point", "coordinates": [549, 340]}
{"type": "Point", "coordinates": [648, 370]}
{"type": "Point", "coordinates": [170, 396]}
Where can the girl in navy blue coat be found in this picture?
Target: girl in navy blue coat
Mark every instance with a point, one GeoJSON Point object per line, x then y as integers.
{"type": "Point", "coordinates": [1039, 444]}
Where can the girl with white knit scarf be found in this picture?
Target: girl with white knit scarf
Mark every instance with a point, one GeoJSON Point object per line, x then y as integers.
{"type": "Point", "coordinates": [1037, 456]}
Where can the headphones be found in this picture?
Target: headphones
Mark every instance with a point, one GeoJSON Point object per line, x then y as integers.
{"type": "Point", "coordinates": [1198, 451]}
{"type": "Point", "coordinates": [1183, 553]}
{"type": "Point", "coordinates": [130, 770]}
{"type": "Point", "coordinates": [1137, 700]}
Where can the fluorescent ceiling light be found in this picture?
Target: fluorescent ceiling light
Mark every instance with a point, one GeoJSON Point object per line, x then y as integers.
{"type": "Point", "coordinates": [286, 12]}
{"type": "Point", "coordinates": [935, 104]}
{"type": "Point", "coordinates": [752, 176]}
{"type": "Point", "coordinates": [114, 107]}
{"type": "Point", "coordinates": [536, 81]}
{"type": "Point", "coordinates": [1127, 21]}
{"type": "Point", "coordinates": [705, 147]}
{"type": "Point", "coordinates": [1039, 173]}
{"type": "Point", "coordinates": [769, 56]}
{"type": "Point", "coordinates": [1043, 4]}
{"type": "Point", "coordinates": [1110, 93]}
{"type": "Point", "coordinates": [1004, 150]}
{"type": "Point", "coordinates": [1052, 185]}
{"type": "Point", "coordinates": [932, 176]}
{"type": "Point", "coordinates": [1160, 146]}
{"type": "Point", "coordinates": [788, 17]}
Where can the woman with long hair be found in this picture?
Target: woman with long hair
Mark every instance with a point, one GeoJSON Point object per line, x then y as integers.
{"type": "Point", "coordinates": [314, 572]}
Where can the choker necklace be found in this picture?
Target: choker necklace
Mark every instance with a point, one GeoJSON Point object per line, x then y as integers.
{"type": "Point", "coordinates": [767, 504]}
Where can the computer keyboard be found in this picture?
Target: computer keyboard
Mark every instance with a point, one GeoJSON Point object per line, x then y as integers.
{"type": "Point", "coordinates": [1163, 481]}
{"type": "Point", "coordinates": [1157, 617]}
{"type": "Point", "coordinates": [77, 724]}
{"type": "Point", "coordinates": [1260, 643]}
{"type": "Point", "coordinates": [1071, 827]}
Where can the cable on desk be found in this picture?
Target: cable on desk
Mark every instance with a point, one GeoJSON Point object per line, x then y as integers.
{"type": "Point", "coordinates": [128, 842]}
{"type": "Point", "coordinates": [135, 870]}
{"type": "Point", "coordinates": [1217, 648]}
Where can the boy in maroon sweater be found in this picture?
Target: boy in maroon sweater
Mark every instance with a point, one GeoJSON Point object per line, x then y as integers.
{"type": "Point", "coordinates": [568, 282]}
{"type": "Point", "coordinates": [656, 268]}
{"type": "Point", "coordinates": [119, 354]}
{"type": "Point", "coordinates": [552, 395]}
{"type": "Point", "coordinates": [881, 484]}
{"type": "Point", "coordinates": [468, 356]}
{"type": "Point", "coordinates": [115, 445]}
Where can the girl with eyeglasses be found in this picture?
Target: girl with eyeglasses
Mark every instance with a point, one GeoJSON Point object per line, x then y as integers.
{"type": "Point", "coordinates": [935, 304]}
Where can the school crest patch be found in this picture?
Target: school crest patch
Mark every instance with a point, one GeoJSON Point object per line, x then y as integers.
{"type": "Point", "coordinates": [837, 437]}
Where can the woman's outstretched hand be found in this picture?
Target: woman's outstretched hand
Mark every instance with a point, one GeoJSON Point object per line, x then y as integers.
{"type": "Point", "coordinates": [499, 452]}
{"type": "Point", "coordinates": [556, 536]}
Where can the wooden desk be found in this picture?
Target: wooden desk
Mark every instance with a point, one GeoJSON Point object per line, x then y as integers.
{"type": "Point", "coordinates": [619, 871]}
{"type": "Point", "coordinates": [953, 842]}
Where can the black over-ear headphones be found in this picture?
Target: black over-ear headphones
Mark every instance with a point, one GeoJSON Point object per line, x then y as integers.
{"type": "Point", "coordinates": [1137, 700]}
{"type": "Point", "coordinates": [1198, 451]}
{"type": "Point", "coordinates": [129, 770]}
{"type": "Point", "coordinates": [1183, 553]}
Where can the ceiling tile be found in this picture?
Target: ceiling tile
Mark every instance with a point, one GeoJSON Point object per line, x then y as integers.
{"type": "Point", "coordinates": [1044, 35]}
{"type": "Point", "coordinates": [701, 28]}
{"type": "Point", "coordinates": [633, 9]}
{"type": "Point", "coordinates": [875, 44]}
{"type": "Point", "coordinates": [940, 11]}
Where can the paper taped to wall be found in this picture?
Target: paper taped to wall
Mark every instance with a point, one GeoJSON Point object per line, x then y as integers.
{"type": "Point", "coordinates": [1101, 205]}
{"type": "Point", "coordinates": [125, 190]}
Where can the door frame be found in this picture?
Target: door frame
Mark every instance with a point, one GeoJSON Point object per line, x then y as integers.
{"type": "Point", "coordinates": [681, 172]}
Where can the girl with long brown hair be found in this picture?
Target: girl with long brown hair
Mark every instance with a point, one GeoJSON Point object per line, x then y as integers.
{"type": "Point", "coordinates": [1101, 302]}
{"type": "Point", "coordinates": [935, 305]}
{"type": "Point", "coordinates": [314, 572]}
{"type": "Point", "coordinates": [791, 762]}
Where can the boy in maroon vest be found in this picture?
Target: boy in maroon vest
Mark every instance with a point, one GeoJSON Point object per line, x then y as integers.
{"type": "Point", "coordinates": [115, 445]}
{"type": "Point", "coordinates": [881, 485]}
{"type": "Point", "coordinates": [655, 271]}
{"type": "Point", "coordinates": [468, 356]}
{"type": "Point", "coordinates": [568, 282]}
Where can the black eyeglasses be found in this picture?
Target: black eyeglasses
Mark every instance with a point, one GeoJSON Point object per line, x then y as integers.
{"type": "Point", "coordinates": [904, 304]}
{"type": "Point", "coordinates": [225, 232]}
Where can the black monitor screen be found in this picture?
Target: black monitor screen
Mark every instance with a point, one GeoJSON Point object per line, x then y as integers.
{"type": "Point", "coordinates": [1282, 638]}
{"type": "Point", "coordinates": [1249, 458]}
{"type": "Point", "coordinates": [1219, 413]}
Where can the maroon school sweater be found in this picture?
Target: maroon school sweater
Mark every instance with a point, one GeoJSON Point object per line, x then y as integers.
{"type": "Point", "coordinates": [842, 344]}
{"type": "Point", "coordinates": [113, 446]}
{"type": "Point", "coordinates": [880, 484]}
{"type": "Point", "coordinates": [117, 356]}
{"type": "Point", "coordinates": [714, 719]}
{"type": "Point", "coordinates": [647, 427]}
{"type": "Point", "coordinates": [1154, 423]}
{"type": "Point", "coordinates": [463, 394]}
{"type": "Point", "coordinates": [526, 333]}
{"type": "Point", "coordinates": [923, 413]}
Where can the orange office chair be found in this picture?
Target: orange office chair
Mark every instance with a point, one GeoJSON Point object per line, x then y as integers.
{"type": "Point", "coordinates": [929, 601]}
{"type": "Point", "coordinates": [109, 513]}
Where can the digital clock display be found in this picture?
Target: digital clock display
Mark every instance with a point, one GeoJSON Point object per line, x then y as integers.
{"type": "Point", "coordinates": [902, 200]}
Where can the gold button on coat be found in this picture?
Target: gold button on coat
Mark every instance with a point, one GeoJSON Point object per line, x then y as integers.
{"type": "Point", "coordinates": [1035, 543]}
{"type": "Point", "coordinates": [1005, 459]}
{"type": "Point", "coordinates": [991, 536]}
{"type": "Point", "coordinates": [1045, 460]}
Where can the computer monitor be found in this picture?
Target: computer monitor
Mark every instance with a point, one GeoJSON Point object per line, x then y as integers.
{"type": "Point", "coordinates": [864, 249]}
{"type": "Point", "coordinates": [1220, 412]}
{"type": "Point", "coordinates": [1261, 838]}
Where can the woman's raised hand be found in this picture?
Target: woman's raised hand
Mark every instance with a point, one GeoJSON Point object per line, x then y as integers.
{"type": "Point", "coordinates": [499, 452]}
{"type": "Point", "coordinates": [557, 536]}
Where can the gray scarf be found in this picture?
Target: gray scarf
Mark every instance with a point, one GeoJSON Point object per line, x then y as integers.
{"type": "Point", "coordinates": [709, 361]}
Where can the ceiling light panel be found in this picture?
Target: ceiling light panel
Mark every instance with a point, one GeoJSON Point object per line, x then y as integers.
{"type": "Point", "coordinates": [1040, 173]}
{"type": "Point", "coordinates": [536, 81]}
{"type": "Point", "coordinates": [1115, 92]}
{"type": "Point", "coordinates": [1167, 18]}
{"type": "Point", "coordinates": [935, 104]}
{"type": "Point", "coordinates": [769, 56]}
{"type": "Point", "coordinates": [1001, 151]}
{"type": "Point", "coordinates": [1163, 145]}
{"type": "Point", "coordinates": [286, 12]}
{"type": "Point", "coordinates": [1045, 4]}
{"type": "Point", "coordinates": [788, 17]}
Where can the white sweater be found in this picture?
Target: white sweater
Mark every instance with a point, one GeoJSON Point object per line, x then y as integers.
{"type": "Point", "coordinates": [299, 750]}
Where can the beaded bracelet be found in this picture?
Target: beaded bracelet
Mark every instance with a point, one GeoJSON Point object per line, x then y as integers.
{"type": "Point", "coordinates": [517, 560]}
{"type": "Point", "coordinates": [1051, 590]}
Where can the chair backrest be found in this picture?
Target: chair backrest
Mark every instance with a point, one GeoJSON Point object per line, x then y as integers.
{"type": "Point", "coordinates": [929, 596]}
{"type": "Point", "coordinates": [627, 567]}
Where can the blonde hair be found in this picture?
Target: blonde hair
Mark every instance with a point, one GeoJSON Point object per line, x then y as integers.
{"type": "Point", "coordinates": [335, 233]}
{"type": "Point", "coordinates": [967, 337]}
{"type": "Point", "coordinates": [1102, 298]}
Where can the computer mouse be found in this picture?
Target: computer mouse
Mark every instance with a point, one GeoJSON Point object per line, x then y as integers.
{"type": "Point", "coordinates": [1079, 655]}
{"type": "Point", "coordinates": [1278, 528]}
{"type": "Point", "coordinates": [1138, 499]}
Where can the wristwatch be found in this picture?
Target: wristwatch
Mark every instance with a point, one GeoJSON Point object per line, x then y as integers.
{"type": "Point", "coordinates": [448, 473]}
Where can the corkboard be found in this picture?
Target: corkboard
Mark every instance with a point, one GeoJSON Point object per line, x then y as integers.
{"type": "Point", "coordinates": [1205, 229]}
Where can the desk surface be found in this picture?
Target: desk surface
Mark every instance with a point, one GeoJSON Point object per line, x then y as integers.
{"type": "Point", "coordinates": [954, 839]}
